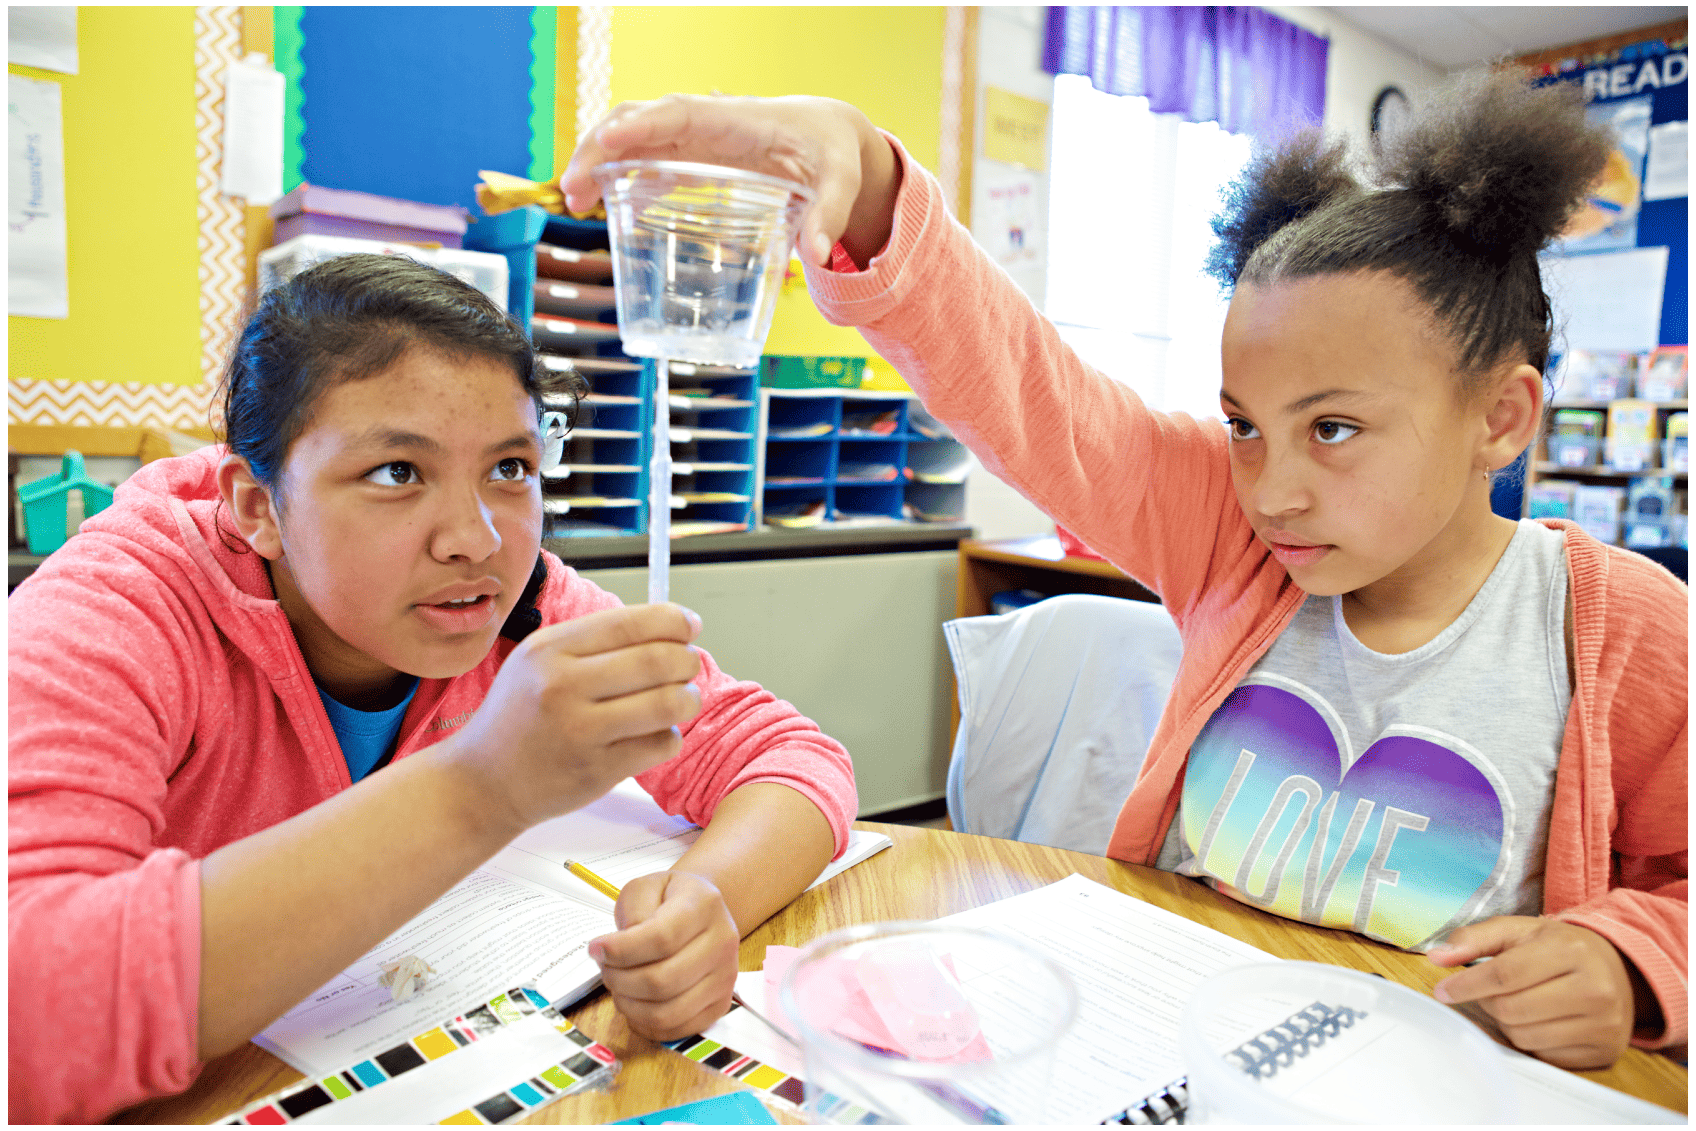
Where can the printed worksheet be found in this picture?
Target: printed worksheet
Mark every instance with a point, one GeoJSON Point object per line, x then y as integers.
{"type": "Point", "coordinates": [521, 919]}
{"type": "Point", "coordinates": [1135, 966]}
{"type": "Point", "coordinates": [491, 931]}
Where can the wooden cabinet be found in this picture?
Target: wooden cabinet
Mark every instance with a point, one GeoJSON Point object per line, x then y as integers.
{"type": "Point", "coordinates": [1039, 563]}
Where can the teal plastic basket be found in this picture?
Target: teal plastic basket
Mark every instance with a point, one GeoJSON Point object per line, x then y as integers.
{"type": "Point", "coordinates": [46, 502]}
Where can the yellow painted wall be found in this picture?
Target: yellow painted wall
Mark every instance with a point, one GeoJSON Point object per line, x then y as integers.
{"type": "Point", "coordinates": [130, 211]}
{"type": "Point", "coordinates": [565, 86]}
{"type": "Point", "coordinates": [886, 61]}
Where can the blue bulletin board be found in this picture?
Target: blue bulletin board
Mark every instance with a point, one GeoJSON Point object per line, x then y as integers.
{"type": "Point", "coordinates": [1636, 89]}
{"type": "Point", "coordinates": [411, 102]}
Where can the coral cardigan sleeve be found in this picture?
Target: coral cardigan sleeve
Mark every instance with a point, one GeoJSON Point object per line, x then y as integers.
{"type": "Point", "coordinates": [1149, 491]}
{"type": "Point", "coordinates": [1646, 913]}
{"type": "Point", "coordinates": [743, 734]}
{"type": "Point", "coordinates": [1634, 658]}
{"type": "Point", "coordinates": [103, 926]}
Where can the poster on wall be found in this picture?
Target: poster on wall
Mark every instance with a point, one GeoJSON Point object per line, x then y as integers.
{"type": "Point", "coordinates": [1608, 301]}
{"type": "Point", "coordinates": [1006, 219]}
{"type": "Point", "coordinates": [35, 206]}
{"type": "Point", "coordinates": [1642, 90]}
{"type": "Point", "coordinates": [1667, 174]}
{"type": "Point", "coordinates": [1608, 218]}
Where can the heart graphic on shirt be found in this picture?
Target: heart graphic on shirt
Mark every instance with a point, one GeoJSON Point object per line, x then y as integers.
{"type": "Point", "coordinates": [1408, 833]}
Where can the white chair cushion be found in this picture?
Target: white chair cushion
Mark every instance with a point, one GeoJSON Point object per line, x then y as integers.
{"type": "Point", "coordinates": [1058, 701]}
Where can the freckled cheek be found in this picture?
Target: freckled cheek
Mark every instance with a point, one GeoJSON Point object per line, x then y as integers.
{"type": "Point", "coordinates": [519, 523]}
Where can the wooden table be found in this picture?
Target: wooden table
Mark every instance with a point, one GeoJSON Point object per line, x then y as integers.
{"type": "Point", "coordinates": [929, 873]}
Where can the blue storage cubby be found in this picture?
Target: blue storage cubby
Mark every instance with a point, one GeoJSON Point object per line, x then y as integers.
{"type": "Point", "coordinates": [850, 450]}
{"type": "Point", "coordinates": [714, 420]}
{"type": "Point", "coordinates": [937, 468]}
{"type": "Point", "coordinates": [600, 487]}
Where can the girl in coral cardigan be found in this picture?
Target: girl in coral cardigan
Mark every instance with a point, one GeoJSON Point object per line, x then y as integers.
{"type": "Point", "coordinates": [1397, 712]}
{"type": "Point", "coordinates": [284, 692]}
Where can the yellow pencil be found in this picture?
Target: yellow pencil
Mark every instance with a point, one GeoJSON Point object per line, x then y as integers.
{"type": "Point", "coordinates": [591, 879]}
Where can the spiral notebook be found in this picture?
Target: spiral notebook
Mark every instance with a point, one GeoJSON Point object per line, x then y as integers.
{"type": "Point", "coordinates": [1261, 1057]}
{"type": "Point", "coordinates": [1547, 1095]}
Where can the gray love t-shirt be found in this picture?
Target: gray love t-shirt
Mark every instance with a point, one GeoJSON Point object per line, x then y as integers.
{"type": "Point", "coordinates": [1399, 796]}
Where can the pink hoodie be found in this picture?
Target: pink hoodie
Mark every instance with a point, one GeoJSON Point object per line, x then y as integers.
{"type": "Point", "coordinates": [1153, 494]}
{"type": "Point", "coordinates": [160, 708]}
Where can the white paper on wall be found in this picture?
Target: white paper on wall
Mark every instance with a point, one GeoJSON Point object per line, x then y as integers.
{"type": "Point", "coordinates": [1609, 300]}
{"type": "Point", "coordinates": [1007, 221]}
{"type": "Point", "coordinates": [253, 131]}
{"type": "Point", "coordinates": [1667, 175]}
{"type": "Point", "coordinates": [42, 37]}
{"type": "Point", "coordinates": [35, 204]}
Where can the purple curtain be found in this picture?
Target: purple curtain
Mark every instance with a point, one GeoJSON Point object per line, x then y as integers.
{"type": "Point", "coordinates": [1244, 68]}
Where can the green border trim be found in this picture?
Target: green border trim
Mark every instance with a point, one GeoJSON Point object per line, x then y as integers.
{"type": "Point", "coordinates": [544, 46]}
{"type": "Point", "coordinates": [286, 43]}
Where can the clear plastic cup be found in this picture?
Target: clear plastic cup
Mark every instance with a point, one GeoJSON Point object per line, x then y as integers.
{"type": "Point", "coordinates": [698, 256]}
{"type": "Point", "coordinates": [977, 1017]}
{"type": "Point", "coordinates": [1303, 1042]}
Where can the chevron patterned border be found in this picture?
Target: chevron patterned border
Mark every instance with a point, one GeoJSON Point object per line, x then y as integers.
{"type": "Point", "coordinates": [223, 220]}
{"type": "Point", "coordinates": [953, 94]}
{"type": "Point", "coordinates": [110, 403]}
{"type": "Point", "coordinates": [594, 65]}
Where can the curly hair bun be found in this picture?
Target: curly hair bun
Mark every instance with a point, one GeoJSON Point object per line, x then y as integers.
{"type": "Point", "coordinates": [1278, 188]}
{"type": "Point", "coordinates": [1503, 164]}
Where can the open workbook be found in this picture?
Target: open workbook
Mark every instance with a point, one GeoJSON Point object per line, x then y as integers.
{"type": "Point", "coordinates": [520, 919]}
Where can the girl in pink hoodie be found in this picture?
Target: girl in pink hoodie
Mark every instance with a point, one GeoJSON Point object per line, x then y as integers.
{"type": "Point", "coordinates": [1397, 713]}
{"type": "Point", "coordinates": [204, 679]}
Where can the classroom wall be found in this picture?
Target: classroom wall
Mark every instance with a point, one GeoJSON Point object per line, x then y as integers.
{"type": "Point", "coordinates": [886, 61]}
{"type": "Point", "coordinates": [130, 219]}
{"type": "Point", "coordinates": [158, 258]}
{"type": "Point", "coordinates": [1357, 67]}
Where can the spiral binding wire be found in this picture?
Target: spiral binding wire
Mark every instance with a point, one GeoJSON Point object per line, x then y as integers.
{"type": "Point", "coordinates": [1295, 1036]}
{"type": "Point", "coordinates": [1260, 1057]}
{"type": "Point", "coordinates": [1165, 1106]}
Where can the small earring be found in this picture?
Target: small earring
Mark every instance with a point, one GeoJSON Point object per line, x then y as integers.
{"type": "Point", "coordinates": [1486, 473]}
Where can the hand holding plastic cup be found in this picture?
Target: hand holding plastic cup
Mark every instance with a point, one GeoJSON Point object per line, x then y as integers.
{"type": "Point", "coordinates": [698, 256]}
{"type": "Point", "coordinates": [1302, 1042]}
{"type": "Point", "coordinates": [919, 1023]}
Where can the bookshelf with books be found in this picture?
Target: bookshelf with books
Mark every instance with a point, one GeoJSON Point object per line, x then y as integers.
{"type": "Point", "coordinates": [1615, 456]}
